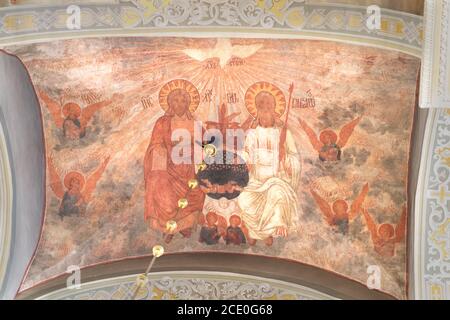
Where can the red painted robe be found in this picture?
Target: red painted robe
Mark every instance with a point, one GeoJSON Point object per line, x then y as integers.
{"type": "Point", "coordinates": [166, 183]}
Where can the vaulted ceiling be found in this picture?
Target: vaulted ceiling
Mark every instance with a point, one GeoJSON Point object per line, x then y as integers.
{"type": "Point", "coordinates": [343, 77]}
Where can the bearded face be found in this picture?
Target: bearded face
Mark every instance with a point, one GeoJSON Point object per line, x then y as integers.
{"type": "Point", "coordinates": [265, 105]}
{"type": "Point", "coordinates": [179, 101]}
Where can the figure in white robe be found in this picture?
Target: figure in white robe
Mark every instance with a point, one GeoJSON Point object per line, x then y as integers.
{"type": "Point", "coordinates": [269, 203]}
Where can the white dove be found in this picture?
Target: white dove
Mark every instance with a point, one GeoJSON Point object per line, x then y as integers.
{"type": "Point", "coordinates": [223, 50]}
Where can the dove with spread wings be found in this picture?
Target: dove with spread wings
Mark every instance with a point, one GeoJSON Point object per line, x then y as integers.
{"type": "Point", "coordinates": [385, 236]}
{"type": "Point", "coordinates": [329, 145]}
{"type": "Point", "coordinates": [338, 216]}
{"type": "Point", "coordinates": [223, 50]}
{"type": "Point", "coordinates": [71, 118]}
{"type": "Point", "coordinates": [75, 191]}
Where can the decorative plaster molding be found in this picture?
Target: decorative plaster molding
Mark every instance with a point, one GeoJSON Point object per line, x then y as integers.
{"type": "Point", "coordinates": [432, 217]}
{"type": "Point", "coordinates": [435, 83]}
{"type": "Point", "coordinates": [189, 285]}
{"type": "Point", "coordinates": [288, 18]}
{"type": "Point", "coordinates": [6, 203]}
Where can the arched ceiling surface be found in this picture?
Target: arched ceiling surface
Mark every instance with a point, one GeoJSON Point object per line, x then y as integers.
{"type": "Point", "coordinates": [205, 265]}
{"type": "Point", "coordinates": [344, 81]}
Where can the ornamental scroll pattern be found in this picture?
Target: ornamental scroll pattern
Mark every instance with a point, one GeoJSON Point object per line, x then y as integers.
{"type": "Point", "coordinates": [437, 232]}
{"type": "Point", "coordinates": [285, 15]}
{"type": "Point", "coordinates": [435, 89]}
{"type": "Point", "coordinates": [195, 287]}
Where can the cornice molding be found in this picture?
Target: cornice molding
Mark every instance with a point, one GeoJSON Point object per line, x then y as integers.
{"type": "Point", "coordinates": [347, 23]}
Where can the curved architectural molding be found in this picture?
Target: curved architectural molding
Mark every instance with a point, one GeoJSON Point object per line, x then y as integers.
{"type": "Point", "coordinates": [6, 205]}
{"type": "Point", "coordinates": [435, 86]}
{"type": "Point", "coordinates": [189, 285]}
{"type": "Point", "coordinates": [22, 130]}
{"type": "Point", "coordinates": [432, 219]}
{"type": "Point", "coordinates": [399, 31]}
{"type": "Point", "coordinates": [286, 271]}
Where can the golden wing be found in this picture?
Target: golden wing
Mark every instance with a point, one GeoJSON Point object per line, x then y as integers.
{"type": "Point", "coordinates": [91, 182]}
{"type": "Point", "coordinates": [356, 205]}
{"type": "Point", "coordinates": [317, 145]}
{"type": "Point", "coordinates": [400, 230]}
{"type": "Point", "coordinates": [347, 131]}
{"type": "Point", "coordinates": [370, 224]}
{"type": "Point", "coordinates": [324, 207]}
{"type": "Point", "coordinates": [54, 108]}
{"type": "Point", "coordinates": [89, 111]}
{"type": "Point", "coordinates": [54, 179]}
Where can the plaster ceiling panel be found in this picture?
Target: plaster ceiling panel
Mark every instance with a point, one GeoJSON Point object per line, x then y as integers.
{"type": "Point", "coordinates": [106, 126]}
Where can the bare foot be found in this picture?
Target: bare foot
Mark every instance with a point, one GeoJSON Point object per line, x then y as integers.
{"type": "Point", "coordinates": [251, 242]}
{"type": "Point", "coordinates": [281, 231]}
{"type": "Point", "coordinates": [269, 241]}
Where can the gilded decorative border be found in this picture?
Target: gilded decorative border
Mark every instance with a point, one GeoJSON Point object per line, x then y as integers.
{"type": "Point", "coordinates": [189, 285]}
{"type": "Point", "coordinates": [435, 85]}
{"type": "Point", "coordinates": [290, 16]}
{"type": "Point", "coordinates": [432, 236]}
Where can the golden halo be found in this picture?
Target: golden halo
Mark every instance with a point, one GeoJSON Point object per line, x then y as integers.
{"type": "Point", "coordinates": [179, 84]}
{"type": "Point", "coordinates": [255, 89]}
{"type": "Point", "coordinates": [74, 175]}
{"type": "Point", "coordinates": [71, 108]}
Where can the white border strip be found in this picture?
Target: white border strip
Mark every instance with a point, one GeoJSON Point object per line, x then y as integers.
{"type": "Point", "coordinates": [6, 203]}
{"type": "Point", "coordinates": [420, 214]}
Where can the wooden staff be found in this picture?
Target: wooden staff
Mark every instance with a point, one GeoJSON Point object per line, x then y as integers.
{"type": "Point", "coordinates": [284, 130]}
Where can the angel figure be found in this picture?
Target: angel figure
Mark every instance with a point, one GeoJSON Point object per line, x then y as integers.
{"type": "Point", "coordinates": [75, 192]}
{"type": "Point", "coordinates": [71, 118]}
{"type": "Point", "coordinates": [386, 236]}
{"type": "Point", "coordinates": [338, 216]}
{"type": "Point", "coordinates": [327, 145]}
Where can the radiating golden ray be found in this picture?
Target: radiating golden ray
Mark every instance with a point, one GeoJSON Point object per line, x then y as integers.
{"type": "Point", "coordinates": [276, 79]}
{"type": "Point", "coordinates": [239, 84]}
{"type": "Point", "coordinates": [271, 68]}
{"type": "Point", "coordinates": [252, 78]}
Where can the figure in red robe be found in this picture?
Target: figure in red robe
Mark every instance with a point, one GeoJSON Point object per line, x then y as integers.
{"type": "Point", "coordinates": [167, 182]}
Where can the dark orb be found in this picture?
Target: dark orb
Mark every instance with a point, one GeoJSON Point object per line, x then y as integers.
{"type": "Point", "coordinates": [228, 169]}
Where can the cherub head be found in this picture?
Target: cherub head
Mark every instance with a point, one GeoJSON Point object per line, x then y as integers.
{"type": "Point", "coordinates": [340, 209]}
{"type": "Point", "coordinates": [235, 221]}
{"type": "Point", "coordinates": [179, 101]}
{"type": "Point", "coordinates": [223, 203]}
{"type": "Point", "coordinates": [72, 110]}
{"type": "Point", "coordinates": [386, 231]}
{"type": "Point", "coordinates": [74, 182]}
{"type": "Point", "coordinates": [265, 106]}
{"type": "Point", "coordinates": [328, 137]}
{"type": "Point", "coordinates": [211, 218]}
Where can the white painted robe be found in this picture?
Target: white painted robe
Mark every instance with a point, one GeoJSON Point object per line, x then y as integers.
{"type": "Point", "coordinates": [270, 199]}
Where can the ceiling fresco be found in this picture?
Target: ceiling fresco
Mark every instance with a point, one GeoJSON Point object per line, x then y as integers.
{"type": "Point", "coordinates": [321, 179]}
